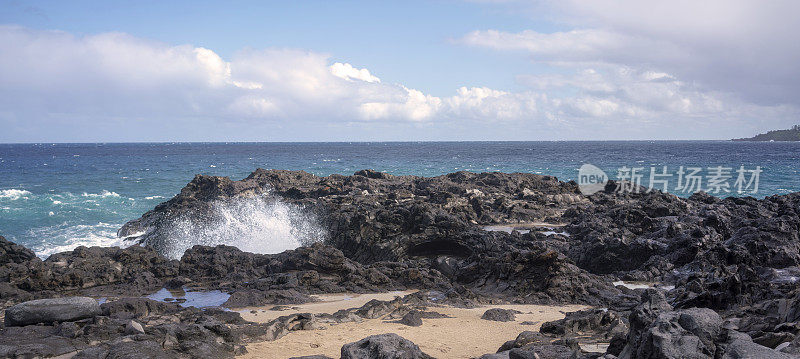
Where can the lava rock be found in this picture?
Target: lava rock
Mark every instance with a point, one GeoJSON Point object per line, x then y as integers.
{"type": "Point", "coordinates": [412, 319]}
{"type": "Point", "coordinates": [600, 322]}
{"type": "Point", "coordinates": [500, 315]}
{"type": "Point", "coordinates": [51, 310]}
{"type": "Point", "coordinates": [253, 298]}
{"type": "Point", "coordinates": [133, 328]}
{"type": "Point", "coordinates": [11, 252]}
{"type": "Point", "coordinates": [130, 308]}
{"type": "Point", "coordinates": [697, 332]}
{"type": "Point", "coordinates": [383, 346]}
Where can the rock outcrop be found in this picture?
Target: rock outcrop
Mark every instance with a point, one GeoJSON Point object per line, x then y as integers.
{"type": "Point", "coordinates": [383, 346]}
{"type": "Point", "coordinates": [724, 271]}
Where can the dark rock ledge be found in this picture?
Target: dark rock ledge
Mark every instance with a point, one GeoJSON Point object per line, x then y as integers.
{"type": "Point", "coordinates": [728, 268]}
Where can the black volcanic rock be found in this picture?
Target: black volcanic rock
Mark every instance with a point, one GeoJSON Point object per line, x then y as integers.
{"type": "Point", "coordinates": [253, 298]}
{"type": "Point", "coordinates": [409, 209]}
{"type": "Point", "coordinates": [412, 319]}
{"type": "Point", "coordinates": [53, 310]}
{"type": "Point", "coordinates": [14, 253]}
{"type": "Point", "coordinates": [597, 322]}
{"type": "Point", "coordinates": [737, 257]}
{"type": "Point", "coordinates": [500, 315]}
{"type": "Point", "coordinates": [383, 346]}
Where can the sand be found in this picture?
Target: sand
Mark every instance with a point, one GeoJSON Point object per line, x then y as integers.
{"type": "Point", "coordinates": [464, 335]}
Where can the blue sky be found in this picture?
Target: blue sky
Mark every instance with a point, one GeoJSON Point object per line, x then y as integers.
{"type": "Point", "coordinates": [404, 41]}
{"type": "Point", "coordinates": [437, 70]}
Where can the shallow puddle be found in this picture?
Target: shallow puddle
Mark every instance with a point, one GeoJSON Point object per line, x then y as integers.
{"type": "Point", "coordinates": [199, 299]}
{"type": "Point", "coordinates": [643, 285]}
{"type": "Point", "coordinates": [546, 229]}
{"type": "Point", "coordinates": [507, 229]}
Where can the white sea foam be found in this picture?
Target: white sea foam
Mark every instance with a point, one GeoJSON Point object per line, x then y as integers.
{"type": "Point", "coordinates": [153, 197]}
{"type": "Point", "coordinates": [14, 194]}
{"type": "Point", "coordinates": [257, 225]}
{"type": "Point", "coordinates": [103, 194]}
{"type": "Point", "coordinates": [63, 237]}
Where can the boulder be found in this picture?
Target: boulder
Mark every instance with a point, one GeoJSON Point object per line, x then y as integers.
{"type": "Point", "coordinates": [500, 315]}
{"type": "Point", "coordinates": [412, 319]}
{"type": "Point", "coordinates": [383, 346]}
{"type": "Point", "coordinates": [253, 298]}
{"type": "Point", "coordinates": [530, 345]}
{"type": "Point", "coordinates": [52, 310]}
{"type": "Point", "coordinates": [693, 333]}
{"type": "Point", "coordinates": [133, 328]}
{"type": "Point", "coordinates": [598, 322]}
{"type": "Point", "coordinates": [740, 345]}
{"type": "Point", "coordinates": [134, 349]}
{"type": "Point", "coordinates": [129, 308]}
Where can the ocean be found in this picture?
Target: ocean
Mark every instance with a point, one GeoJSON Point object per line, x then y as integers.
{"type": "Point", "coordinates": [54, 197]}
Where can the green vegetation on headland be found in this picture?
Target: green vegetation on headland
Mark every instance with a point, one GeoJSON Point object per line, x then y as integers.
{"type": "Point", "coordinates": [792, 134]}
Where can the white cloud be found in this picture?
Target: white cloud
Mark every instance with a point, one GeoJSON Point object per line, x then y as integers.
{"type": "Point", "coordinates": [118, 75]}
{"type": "Point", "coordinates": [747, 48]}
{"type": "Point", "coordinates": [115, 83]}
{"type": "Point", "coordinates": [348, 72]}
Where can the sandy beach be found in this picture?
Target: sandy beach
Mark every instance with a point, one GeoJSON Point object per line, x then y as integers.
{"type": "Point", "coordinates": [464, 335]}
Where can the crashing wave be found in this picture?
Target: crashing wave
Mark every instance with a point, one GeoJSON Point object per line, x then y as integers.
{"type": "Point", "coordinates": [258, 225]}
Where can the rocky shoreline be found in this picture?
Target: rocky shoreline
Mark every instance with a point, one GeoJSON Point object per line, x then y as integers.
{"type": "Point", "coordinates": [714, 278]}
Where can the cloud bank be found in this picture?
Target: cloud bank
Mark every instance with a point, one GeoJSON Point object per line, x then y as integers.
{"type": "Point", "coordinates": [619, 74]}
{"type": "Point", "coordinates": [741, 47]}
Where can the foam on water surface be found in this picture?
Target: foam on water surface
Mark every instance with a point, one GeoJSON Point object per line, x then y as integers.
{"type": "Point", "coordinates": [14, 194]}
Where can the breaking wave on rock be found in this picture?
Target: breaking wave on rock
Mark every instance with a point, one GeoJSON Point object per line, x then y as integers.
{"type": "Point", "coordinates": [258, 225]}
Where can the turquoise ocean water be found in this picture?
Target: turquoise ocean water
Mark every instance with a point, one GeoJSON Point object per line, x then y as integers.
{"type": "Point", "coordinates": [54, 197]}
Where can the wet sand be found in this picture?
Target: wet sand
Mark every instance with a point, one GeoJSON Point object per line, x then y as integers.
{"type": "Point", "coordinates": [464, 335]}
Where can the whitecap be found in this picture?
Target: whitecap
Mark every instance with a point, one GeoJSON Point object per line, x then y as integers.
{"type": "Point", "coordinates": [14, 194]}
{"type": "Point", "coordinates": [103, 194]}
{"type": "Point", "coordinates": [153, 197]}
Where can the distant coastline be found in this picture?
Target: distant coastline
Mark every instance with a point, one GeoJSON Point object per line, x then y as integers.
{"type": "Point", "coordinates": [792, 134]}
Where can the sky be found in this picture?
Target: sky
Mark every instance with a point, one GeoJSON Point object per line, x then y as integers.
{"type": "Point", "coordinates": [132, 71]}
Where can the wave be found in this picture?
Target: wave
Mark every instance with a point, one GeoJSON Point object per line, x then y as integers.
{"type": "Point", "coordinates": [103, 194]}
{"type": "Point", "coordinates": [14, 194]}
{"type": "Point", "coordinates": [65, 237]}
{"type": "Point", "coordinates": [257, 225]}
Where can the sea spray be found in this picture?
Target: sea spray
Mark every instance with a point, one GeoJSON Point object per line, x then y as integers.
{"type": "Point", "coordinates": [258, 225]}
